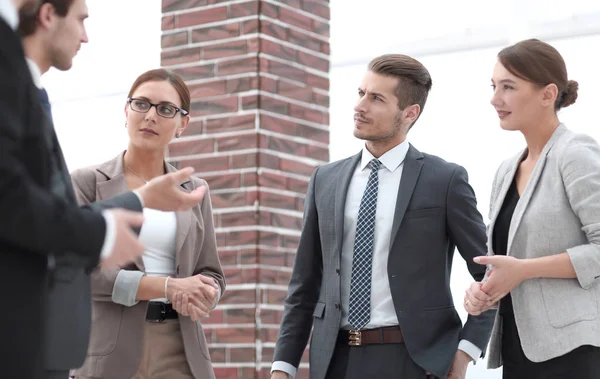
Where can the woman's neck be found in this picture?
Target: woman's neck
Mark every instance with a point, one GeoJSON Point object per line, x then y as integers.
{"type": "Point", "coordinates": [145, 164]}
{"type": "Point", "coordinates": [536, 136]}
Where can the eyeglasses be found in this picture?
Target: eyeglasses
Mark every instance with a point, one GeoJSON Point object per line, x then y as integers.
{"type": "Point", "coordinates": [162, 109]}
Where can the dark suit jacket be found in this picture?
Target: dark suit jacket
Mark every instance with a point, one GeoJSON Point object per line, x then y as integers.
{"type": "Point", "coordinates": [69, 316]}
{"type": "Point", "coordinates": [435, 212]}
{"type": "Point", "coordinates": [69, 306]}
{"type": "Point", "coordinates": [34, 221]}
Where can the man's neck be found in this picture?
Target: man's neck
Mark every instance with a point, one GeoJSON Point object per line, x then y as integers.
{"type": "Point", "coordinates": [35, 51]}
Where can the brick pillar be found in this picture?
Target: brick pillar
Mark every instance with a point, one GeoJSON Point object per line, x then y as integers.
{"type": "Point", "coordinates": [258, 73]}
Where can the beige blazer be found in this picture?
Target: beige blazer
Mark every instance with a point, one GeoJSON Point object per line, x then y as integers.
{"type": "Point", "coordinates": [116, 341]}
{"type": "Point", "coordinates": [559, 211]}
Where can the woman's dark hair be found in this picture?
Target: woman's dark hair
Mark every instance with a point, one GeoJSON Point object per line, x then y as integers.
{"type": "Point", "coordinates": [541, 64]}
{"type": "Point", "coordinates": [159, 75]}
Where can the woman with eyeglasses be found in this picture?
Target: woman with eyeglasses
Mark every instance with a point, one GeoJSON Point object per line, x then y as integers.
{"type": "Point", "coordinates": [146, 315]}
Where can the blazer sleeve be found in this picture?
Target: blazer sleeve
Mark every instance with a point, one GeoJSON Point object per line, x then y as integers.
{"type": "Point", "coordinates": [468, 232]}
{"type": "Point", "coordinates": [580, 170]}
{"type": "Point", "coordinates": [208, 262]}
{"type": "Point", "coordinates": [33, 218]}
{"type": "Point", "coordinates": [304, 287]}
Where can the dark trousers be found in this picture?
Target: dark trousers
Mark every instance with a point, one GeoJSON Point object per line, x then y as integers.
{"type": "Point", "coordinates": [373, 361]}
{"type": "Point", "coordinates": [581, 363]}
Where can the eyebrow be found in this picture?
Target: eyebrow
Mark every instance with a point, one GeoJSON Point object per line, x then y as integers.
{"type": "Point", "coordinates": [374, 93]}
{"type": "Point", "coordinates": [505, 81]}
{"type": "Point", "coordinates": [160, 102]}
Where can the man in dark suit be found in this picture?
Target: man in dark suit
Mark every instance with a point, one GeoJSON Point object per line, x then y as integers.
{"type": "Point", "coordinates": [46, 240]}
{"type": "Point", "coordinates": [372, 269]}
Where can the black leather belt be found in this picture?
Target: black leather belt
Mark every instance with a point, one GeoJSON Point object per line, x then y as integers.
{"type": "Point", "coordinates": [159, 312]}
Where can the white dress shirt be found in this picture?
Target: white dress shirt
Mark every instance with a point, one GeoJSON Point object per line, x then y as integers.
{"type": "Point", "coordinates": [392, 163]}
{"type": "Point", "coordinates": [9, 13]}
{"type": "Point", "coordinates": [383, 312]}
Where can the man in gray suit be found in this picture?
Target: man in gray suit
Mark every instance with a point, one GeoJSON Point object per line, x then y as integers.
{"type": "Point", "coordinates": [372, 269]}
{"type": "Point", "coordinates": [52, 34]}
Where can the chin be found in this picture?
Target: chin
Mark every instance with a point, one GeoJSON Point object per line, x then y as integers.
{"type": "Point", "coordinates": [510, 126]}
{"type": "Point", "coordinates": [359, 134]}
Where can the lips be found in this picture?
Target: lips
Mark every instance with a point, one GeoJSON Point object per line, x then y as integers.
{"type": "Point", "coordinates": [149, 131]}
{"type": "Point", "coordinates": [361, 120]}
{"type": "Point", "coordinates": [503, 114]}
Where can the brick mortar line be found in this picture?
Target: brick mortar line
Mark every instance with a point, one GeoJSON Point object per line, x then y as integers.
{"type": "Point", "coordinates": [260, 189]}
{"type": "Point", "coordinates": [259, 91]}
{"type": "Point", "coordinates": [295, 28]}
{"type": "Point", "coordinates": [208, 43]}
{"type": "Point", "coordinates": [301, 11]}
{"type": "Point", "coordinates": [299, 66]}
{"type": "Point", "coordinates": [265, 132]}
{"type": "Point", "coordinates": [191, 45]}
{"type": "Point", "coordinates": [291, 175]}
{"type": "Point", "coordinates": [208, 24]}
{"type": "Point", "coordinates": [292, 157]}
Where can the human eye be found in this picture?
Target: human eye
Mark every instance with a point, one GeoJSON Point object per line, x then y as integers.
{"type": "Point", "coordinates": [166, 109]}
{"type": "Point", "coordinates": [141, 104]}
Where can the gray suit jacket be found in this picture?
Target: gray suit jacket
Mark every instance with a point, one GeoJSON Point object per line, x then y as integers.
{"type": "Point", "coordinates": [435, 212]}
{"type": "Point", "coordinates": [69, 313]}
{"type": "Point", "coordinates": [559, 211]}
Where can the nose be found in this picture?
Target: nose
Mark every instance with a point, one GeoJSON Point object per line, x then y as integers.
{"type": "Point", "coordinates": [151, 114]}
{"type": "Point", "coordinates": [84, 36]}
{"type": "Point", "coordinates": [361, 106]}
{"type": "Point", "coordinates": [495, 100]}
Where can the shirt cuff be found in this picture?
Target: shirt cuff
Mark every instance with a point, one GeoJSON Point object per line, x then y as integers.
{"type": "Point", "coordinates": [137, 193]}
{"type": "Point", "coordinates": [126, 287]}
{"type": "Point", "coordinates": [109, 237]}
{"type": "Point", "coordinates": [285, 367]}
{"type": "Point", "coordinates": [469, 348]}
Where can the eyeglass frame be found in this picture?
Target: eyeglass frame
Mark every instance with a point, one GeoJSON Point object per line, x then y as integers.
{"type": "Point", "coordinates": [177, 109]}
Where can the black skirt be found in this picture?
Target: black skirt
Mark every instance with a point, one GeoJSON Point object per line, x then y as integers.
{"type": "Point", "coordinates": [581, 363]}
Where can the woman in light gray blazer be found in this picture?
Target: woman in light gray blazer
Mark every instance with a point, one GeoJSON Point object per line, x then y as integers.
{"type": "Point", "coordinates": [544, 232]}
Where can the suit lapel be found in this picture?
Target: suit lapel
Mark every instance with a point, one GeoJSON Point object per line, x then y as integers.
{"type": "Point", "coordinates": [504, 184]}
{"type": "Point", "coordinates": [341, 192]}
{"type": "Point", "coordinates": [113, 186]}
{"type": "Point", "coordinates": [410, 173]}
{"type": "Point", "coordinates": [530, 187]}
{"type": "Point", "coordinates": [184, 221]}
{"type": "Point", "coordinates": [59, 164]}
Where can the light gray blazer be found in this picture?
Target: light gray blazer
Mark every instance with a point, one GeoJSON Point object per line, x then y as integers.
{"type": "Point", "coordinates": [558, 211]}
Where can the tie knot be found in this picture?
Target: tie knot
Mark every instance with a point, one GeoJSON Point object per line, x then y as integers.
{"type": "Point", "coordinates": [375, 164]}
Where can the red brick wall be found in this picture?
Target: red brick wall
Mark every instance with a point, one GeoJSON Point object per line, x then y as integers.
{"type": "Point", "coordinates": [258, 73]}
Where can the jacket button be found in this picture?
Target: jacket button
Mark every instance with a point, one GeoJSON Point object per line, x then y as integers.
{"type": "Point", "coordinates": [337, 306]}
{"type": "Point", "coordinates": [337, 271]}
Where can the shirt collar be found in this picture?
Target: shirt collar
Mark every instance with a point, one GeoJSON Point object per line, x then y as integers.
{"type": "Point", "coordinates": [391, 160]}
{"type": "Point", "coordinates": [9, 13]}
{"type": "Point", "coordinates": [36, 73]}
